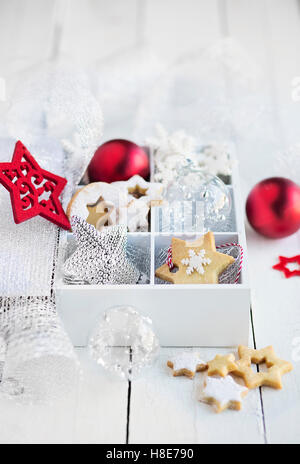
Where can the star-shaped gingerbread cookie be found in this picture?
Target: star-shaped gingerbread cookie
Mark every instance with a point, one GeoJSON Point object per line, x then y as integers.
{"type": "Point", "coordinates": [197, 262]}
{"type": "Point", "coordinates": [222, 365]}
{"type": "Point", "coordinates": [223, 393]}
{"type": "Point", "coordinates": [187, 363]}
{"type": "Point", "coordinates": [271, 378]}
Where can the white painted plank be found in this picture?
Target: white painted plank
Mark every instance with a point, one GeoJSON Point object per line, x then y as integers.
{"type": "Point", "coordinates": [183, 96]}
{"type": "Point", "coordinates": [26, 33]}
{"type": "Point", "coordinates": [257, 132]}
{"type": "Point", "coordinates": [283, 36]}
{"type": "Point", "coordinates": [95, 412]}
{"type": "Point", "coordinates": [95, 29]}
{"type": "Point", "coordinates": [273, 48]}
{"type": "Point", "coordinates": [275, 299]}
{"type": "Point", "coordinates": [165, 409]}
{"type": "Point", "coordinates": [174, 27]}
{"type": "Point", "coordinates": [277, 322]}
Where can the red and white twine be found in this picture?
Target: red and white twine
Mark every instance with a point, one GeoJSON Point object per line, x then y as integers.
{"type": "Point", "coordinates": [218, 247]}
{"type": "Point", "coordinates": [169, 258]}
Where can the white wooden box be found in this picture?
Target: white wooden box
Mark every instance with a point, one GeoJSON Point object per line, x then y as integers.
{"type": "Point", "coordinates": [183, 315]}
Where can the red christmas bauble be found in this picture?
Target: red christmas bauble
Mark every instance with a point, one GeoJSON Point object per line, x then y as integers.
{"type": "Point", "coordinates": [118, 160]}
{"type": "Point", "coordinates": [273, 207]}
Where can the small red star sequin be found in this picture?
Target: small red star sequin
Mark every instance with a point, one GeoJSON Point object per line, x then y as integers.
{"type": "Point", "coordinates": [282, 266]}
{"type": "Point", "coordinates": [33, 191]}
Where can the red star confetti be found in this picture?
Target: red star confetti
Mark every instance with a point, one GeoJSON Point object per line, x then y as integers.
{"type": "Point", "coordinates": [33, 191]}
{"type": "Point", "coordinates": [283, 266]}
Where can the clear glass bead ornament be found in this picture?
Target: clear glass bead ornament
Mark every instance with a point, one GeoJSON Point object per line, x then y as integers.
{"type": "Point", "coordinates": [196, 201]}
{"type": "Point", "coordinates": [124, 342]}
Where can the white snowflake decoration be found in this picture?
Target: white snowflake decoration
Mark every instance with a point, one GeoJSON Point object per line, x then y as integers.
{"type": "Point", "coordinates": [172, 150]}
{"type": "Point", "coordinates": [177, 143]}
{"type": "Point", "coordinates": [196, 262]}
{"type": "Point", "coordinates": [215, 160]}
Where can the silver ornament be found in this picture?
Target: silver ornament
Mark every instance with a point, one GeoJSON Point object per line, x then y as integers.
{"type": "Point", "coordinates": [100, 257]}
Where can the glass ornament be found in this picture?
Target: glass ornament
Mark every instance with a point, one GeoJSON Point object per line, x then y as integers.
{"type": "Point", "coordinates": [195, 201]}
{"type": "Point", "coordinates": [124, 342]}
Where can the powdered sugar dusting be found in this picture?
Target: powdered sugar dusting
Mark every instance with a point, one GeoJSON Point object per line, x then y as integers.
{"type": "Point", "coordinates": [223, 390]}
{"type": "Point", "coordinates": [187, 360]}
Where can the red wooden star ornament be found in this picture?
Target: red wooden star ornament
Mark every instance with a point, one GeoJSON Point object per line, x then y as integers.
{"type": "Point", "coordinates": [33, 191]}
{"type": "Point", "coordinates": [282, 266]}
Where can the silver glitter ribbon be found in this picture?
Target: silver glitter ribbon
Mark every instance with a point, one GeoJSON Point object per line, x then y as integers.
{"type": "Point", "coordinates": [54, 113]}
{"type": "Point", "coordinates": [100, 256]}
{"type": "Point", "coordinates": [37, 358]}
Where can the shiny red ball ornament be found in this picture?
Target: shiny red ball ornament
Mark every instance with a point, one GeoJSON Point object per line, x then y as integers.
{"type": "Point", "coordinates": [118, 160]}
{"type": "Point", "coordinates": [273, 207]}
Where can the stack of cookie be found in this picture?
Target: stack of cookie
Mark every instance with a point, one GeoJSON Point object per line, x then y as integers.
{"type": "Point", "coordinates": [220, 389]}
{"type": "Point", "coordinates": [124, 203]}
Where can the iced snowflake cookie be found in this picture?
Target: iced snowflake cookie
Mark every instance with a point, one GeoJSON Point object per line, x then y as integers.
{"type": "Point", "coordinates": [99, 204]}
{"type": "Point", "coordinates": [216, 160]}
{"type": "Point", "coordinates": [271, 378]}
{"type": "Point", "coordinates": [223, 393]}
{"type": "Point", "coordinates": [198, 262]}
{"type": "Point", "coordinates": [221, 365]}
{"type": "Point", "coordinates": [187, 363]}
{"type": "Point", "coordinates": [139, 189]}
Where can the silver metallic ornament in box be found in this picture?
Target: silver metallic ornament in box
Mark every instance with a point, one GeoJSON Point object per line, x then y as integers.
{"type": "Point", "coordinates": [100, 256]}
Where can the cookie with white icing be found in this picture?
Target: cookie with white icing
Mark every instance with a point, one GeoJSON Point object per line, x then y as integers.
{"type": "Point", "coordinates": [198, 262]}
{"type": "Point", "coordinates": [139, 189]}
{"type": "Point", "coordinates": [187, 363]}
{"type": "Point", "coordinates": [223, 393]}
{"type": "Point", "coordinates": [98, 203]}
{"type": "Point", "coordinates": [136, 216]}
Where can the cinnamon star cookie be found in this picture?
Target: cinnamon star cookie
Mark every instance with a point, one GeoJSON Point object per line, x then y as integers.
{"type": "Point", "coordinates": [271, 378]}
{"type": "Point", "coordinates": [222, 365]}
{"type": "Point", "coordinates": [197, 262]}
{"type": "Point", "coordinates": [223, 393]}
{"type": "Point", "coordinates": [187, 363]}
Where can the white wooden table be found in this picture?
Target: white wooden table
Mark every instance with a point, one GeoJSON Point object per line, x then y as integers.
{"type": "Point", "coordinates": [158, 408]}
